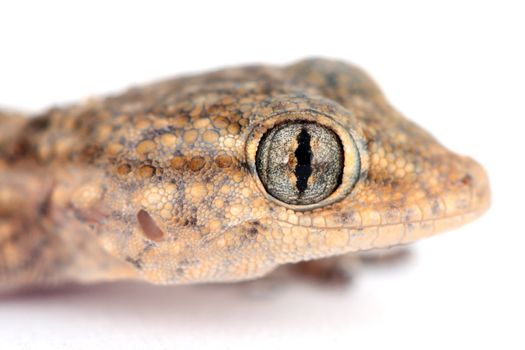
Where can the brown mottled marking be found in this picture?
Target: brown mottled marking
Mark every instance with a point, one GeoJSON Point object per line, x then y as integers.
{"type": "Point", "coordinates": [197, 163]}
{"type": "Point", "coordinates": [223, 161]}
{"type": "Point", "coordinates": [124, 169]}
{"type": "Point", "coordinates": [176, 182]}
{"type": "Point", "coordinates": [146, 171]}
{"type": "Point", "coordinates": [178, 162]}
{"type": "Point", "coordinates": [145, 147]}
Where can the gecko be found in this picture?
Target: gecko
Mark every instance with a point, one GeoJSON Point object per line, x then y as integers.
{"type": "Point", "coordinates": [222, 176]}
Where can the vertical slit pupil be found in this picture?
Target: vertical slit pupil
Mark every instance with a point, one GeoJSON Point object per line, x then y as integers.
{"type": "Point", "coordinates": [303, 154]}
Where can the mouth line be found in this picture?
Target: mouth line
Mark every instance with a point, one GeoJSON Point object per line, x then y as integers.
{"type": "Point", "coordinates": [466, 216]}
{"type": "Point", "coordinates": [358, 237]}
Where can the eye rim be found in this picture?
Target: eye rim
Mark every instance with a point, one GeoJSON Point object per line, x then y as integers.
{"type": "Point", "coordinates": [352, 157]}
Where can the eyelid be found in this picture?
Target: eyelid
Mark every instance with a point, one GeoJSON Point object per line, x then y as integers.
{"type": "Point", "coordinates": [355, 155]}
{"type": "Point", "coordinates": [300, 162]}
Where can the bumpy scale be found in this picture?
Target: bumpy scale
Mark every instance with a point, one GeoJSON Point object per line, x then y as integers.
{"type": "Point", "coordinates": [184, 181]}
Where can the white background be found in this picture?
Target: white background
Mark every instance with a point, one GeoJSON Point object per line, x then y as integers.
{"type": "Point", "coordinates": [455, 67]}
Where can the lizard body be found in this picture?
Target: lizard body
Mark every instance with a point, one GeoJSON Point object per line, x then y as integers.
{"type": "Point", "coordinates": [222, 176]}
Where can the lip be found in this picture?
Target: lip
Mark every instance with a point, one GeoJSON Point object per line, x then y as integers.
{"type": "Point", "coordinates": [468, 198]}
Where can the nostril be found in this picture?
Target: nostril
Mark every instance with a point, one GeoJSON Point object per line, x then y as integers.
{"type": "Point", "coordinates": [467, 179]}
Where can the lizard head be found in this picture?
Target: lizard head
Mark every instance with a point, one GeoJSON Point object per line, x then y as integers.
{"type": "Point", "coordinates": [230, 177]}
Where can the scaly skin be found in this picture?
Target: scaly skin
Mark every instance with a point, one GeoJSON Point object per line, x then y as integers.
{"type": "Point", "coordinates": [158, 183]}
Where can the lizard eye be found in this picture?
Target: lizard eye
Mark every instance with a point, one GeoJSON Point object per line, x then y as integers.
{"type": "Point", "coordinates": [300, 162]}
{"type": "Point", "coordinates": [304, 159]}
